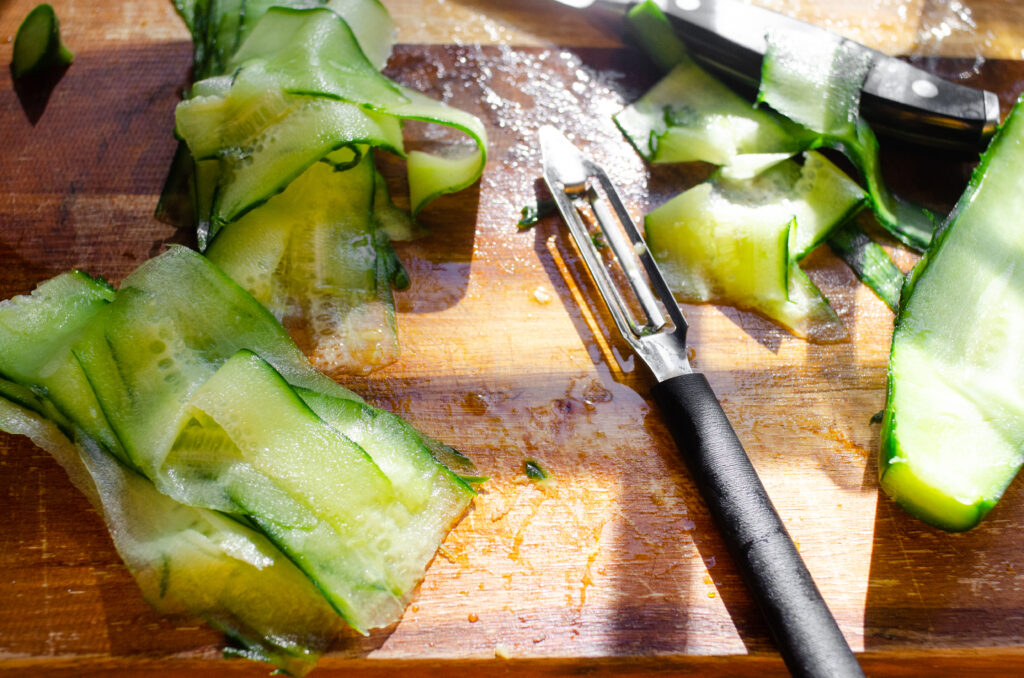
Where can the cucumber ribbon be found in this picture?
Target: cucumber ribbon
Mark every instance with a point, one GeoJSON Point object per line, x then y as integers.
{"type": "Point", "coordinates": [814, 90]}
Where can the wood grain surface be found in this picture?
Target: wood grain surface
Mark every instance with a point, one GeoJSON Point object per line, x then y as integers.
{"type": "Point", "coordinates": [614, 568]}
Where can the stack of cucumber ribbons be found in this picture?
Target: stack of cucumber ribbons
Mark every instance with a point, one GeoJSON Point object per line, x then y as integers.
{"type": "Point", "coordinates": [239, 483]}
{"type": "Point", "coordinates": [276, 166]}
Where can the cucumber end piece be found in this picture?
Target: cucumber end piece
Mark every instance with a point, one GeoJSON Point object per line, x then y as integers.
{"type": "Point", "coordinates": [37, 45]}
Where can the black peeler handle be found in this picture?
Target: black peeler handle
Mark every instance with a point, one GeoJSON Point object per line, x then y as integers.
{"type": "Point", "coordinates": [805, 632]}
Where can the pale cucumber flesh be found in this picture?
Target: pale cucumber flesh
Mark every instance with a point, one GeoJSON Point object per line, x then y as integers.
{"type": "Point", "coordinates": [953, 434]}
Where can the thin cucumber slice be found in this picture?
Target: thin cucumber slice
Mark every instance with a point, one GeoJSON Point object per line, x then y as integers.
{"type": "Point", "coordinates": [291, 103]}
{"type": "Point", "coordinates": [319, 496]}
{"type": "Point", "coordinates": [175, 320]}
{"type": "Point", "coordinates": [707, 254]}
{"type": "Point", "coordinates": [818, 85]}
{"type": "Point", "coordinates": [372, 25]}
{"type": "Point", "coordinates": [713, 250]}
{"type": "Point", "coordinates": [817, 194]}
{"type": "Point", "coordinates": [953, 431]}
{"type": "Point", "coordinates": [332, 62]}
{"type": "Point", "coordinates": [254, 168]}
{"type": "Point", "coordinates": [38, 45]}
{"type": "Point", "coordinates": [815, 82]}
{"type": "Point", "coordinates": [34, 327]}
{"type": "Point", "coordinates": [395, 446]}
{"type": "Point", "coordinates": [315, 493]}
{"type": "Point", "coordinates": [303, 89]}
{"type": "Point", "coordinates": [689, 115]}
{"type": "Point", "coordinates": [36, 334]}
{"type": "Point", "coordinates": [647, 26]}
{"type": "Point", "coordinates": [459, 167]}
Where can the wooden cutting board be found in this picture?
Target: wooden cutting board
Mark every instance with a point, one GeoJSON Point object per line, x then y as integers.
{"type": "Point", "coordinates": [615, 567]}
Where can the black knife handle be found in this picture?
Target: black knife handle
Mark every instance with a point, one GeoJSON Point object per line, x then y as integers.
{"type": "Point", "coordinates": [804, 630]}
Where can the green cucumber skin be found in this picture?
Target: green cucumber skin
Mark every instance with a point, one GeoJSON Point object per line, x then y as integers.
{"type": "Point", "coordinates": [54, 54]}
{"type": "Point", "coordinates": [869, 261]}
{"type": "Point", "coordinates": [898, 475]}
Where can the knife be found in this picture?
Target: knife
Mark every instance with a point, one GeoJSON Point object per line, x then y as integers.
{"type": "Point", "coordinates": [804, 630]}
{"type": "Point", "coordinates": [728, 38]}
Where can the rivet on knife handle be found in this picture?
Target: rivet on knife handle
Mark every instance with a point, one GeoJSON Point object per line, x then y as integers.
{"type": "Point", "coordinates": [804, 630]}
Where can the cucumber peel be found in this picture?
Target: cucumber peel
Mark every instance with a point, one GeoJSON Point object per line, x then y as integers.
{"type": "Point", "coordinates": [37, 45]}
{"type": "Point", "coordinates": [869, 261]}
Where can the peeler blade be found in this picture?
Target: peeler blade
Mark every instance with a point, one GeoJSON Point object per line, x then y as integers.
{"type": "Point", "coordinates": [585, 195]}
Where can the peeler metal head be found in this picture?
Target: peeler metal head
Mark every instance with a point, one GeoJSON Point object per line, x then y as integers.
{"type": "Point", "coordinates": [591, 207]}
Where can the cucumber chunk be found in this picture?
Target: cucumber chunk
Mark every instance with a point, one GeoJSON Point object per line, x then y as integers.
{"type": "Point", "coordinates": [953, 431]}
{"type": "Point", "coordinates": [38, 45]}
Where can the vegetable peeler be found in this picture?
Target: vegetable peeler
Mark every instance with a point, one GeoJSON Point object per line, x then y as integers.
{"type": "Point", "coordinates": [900, 100]}
{"type": "Point", "coordinates": [804, 630]}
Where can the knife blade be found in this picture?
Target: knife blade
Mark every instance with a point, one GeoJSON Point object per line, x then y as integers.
{"type": "Point", "coordinates": [898, 100]}
{"type": "Point", "coordinates": [807, 635]}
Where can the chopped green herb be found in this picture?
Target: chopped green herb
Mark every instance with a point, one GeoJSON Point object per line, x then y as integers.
{"type": "Point", "coordinates": [535, 472]}
{"type": "Point", "coordinates": [531, 214]}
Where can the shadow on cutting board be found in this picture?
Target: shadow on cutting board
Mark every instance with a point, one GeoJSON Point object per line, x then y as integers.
{"type": "Point", "coordinates": [930, 588]}
{"type": "Point", "coordinates": [34, 91]}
